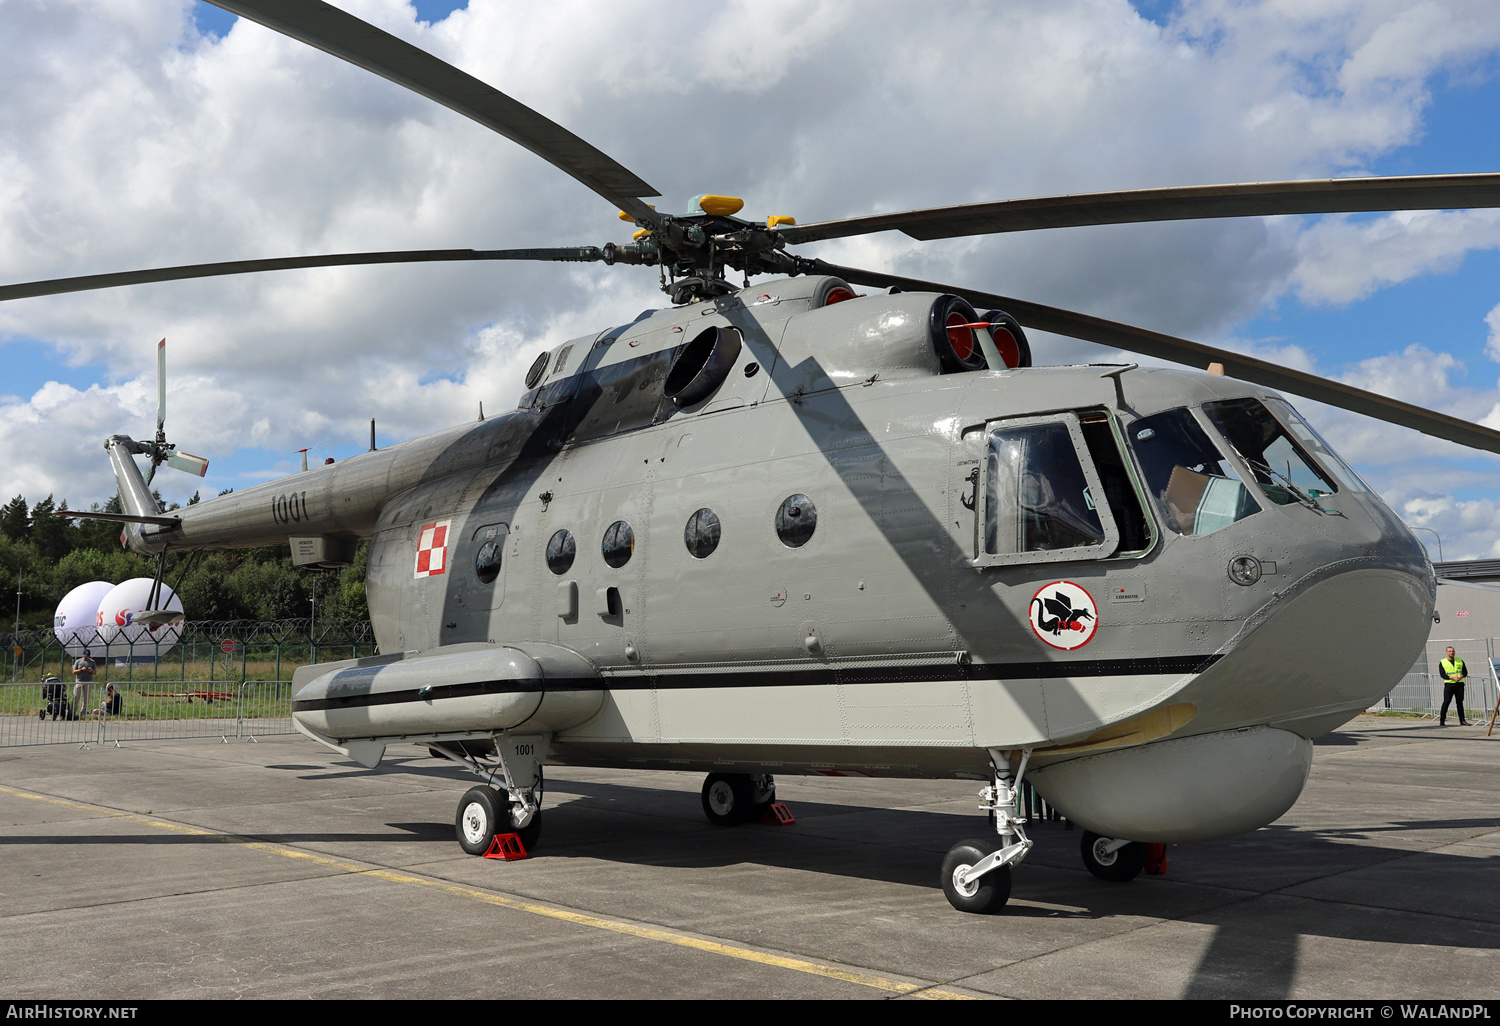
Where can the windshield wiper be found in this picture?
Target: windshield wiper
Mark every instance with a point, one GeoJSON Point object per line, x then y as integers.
{"type": "Point", "coordinates": [1286, 481]}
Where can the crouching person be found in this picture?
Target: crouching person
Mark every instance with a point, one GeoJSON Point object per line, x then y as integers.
{"type": "Point", "coordinates": [113, 703]}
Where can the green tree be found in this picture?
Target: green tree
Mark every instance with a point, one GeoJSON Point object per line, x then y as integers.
{"type": "Point", "coordinates": [353, 605]}
{"type": "Point", "coordinates": [15, 520]}
{"type": "Point", "coordinates": [53, 536]}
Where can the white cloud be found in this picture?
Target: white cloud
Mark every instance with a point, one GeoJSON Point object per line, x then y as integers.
{"type": "Point", "coordinates": [1492, 320]}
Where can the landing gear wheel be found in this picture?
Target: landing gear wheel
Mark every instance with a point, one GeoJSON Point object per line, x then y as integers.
{"type": "Point", "coordinates": [484, 812]}
{"type": "Point", "coordinates": [1118, 866]}
{"type": "Point", "coordinates": [477, 819]}
{"type": "Point", "coordinates": [728, 798]}
{"type": "Point", "coordinates": [987, 894]}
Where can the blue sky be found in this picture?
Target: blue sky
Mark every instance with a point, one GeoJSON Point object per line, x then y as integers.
{"type": "Point", "coordinates": [235, 143]}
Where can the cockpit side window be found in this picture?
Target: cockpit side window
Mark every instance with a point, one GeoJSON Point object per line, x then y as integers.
{"type": "Point", "coordinates": [1196, 489]}
{"type": "Point", "coordinates": [1042, 494]}
{"type": "Point", "coordinates": [1282, 468]}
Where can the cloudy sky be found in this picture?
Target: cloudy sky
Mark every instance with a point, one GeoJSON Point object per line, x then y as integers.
{"type": "Point", "coordinates": [138, 133]}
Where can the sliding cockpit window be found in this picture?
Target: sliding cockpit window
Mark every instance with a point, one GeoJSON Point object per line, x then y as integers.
{"type": "Point", "coordinates": [1044, 499]}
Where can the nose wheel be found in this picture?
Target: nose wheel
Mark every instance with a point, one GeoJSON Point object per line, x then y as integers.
{"type": "Point", "coordinates": [1112, 859]}
{"type": "Point", "coordinates": [969, 893]}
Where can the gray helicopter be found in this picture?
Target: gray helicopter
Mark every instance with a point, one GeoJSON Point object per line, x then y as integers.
{"type": "Point", "coordinates": [834, 521]}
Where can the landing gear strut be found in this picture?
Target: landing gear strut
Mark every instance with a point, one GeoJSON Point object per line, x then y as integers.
{"type": "Point", "coordinates": [976, 873]}
{"type": "Point", "coordinates": [730, 799]}
{"type": "Point", "coordinates": [510, 802]}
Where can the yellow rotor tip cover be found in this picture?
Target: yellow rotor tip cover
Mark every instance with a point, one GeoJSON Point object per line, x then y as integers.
{"type": "Point", "coordinates": [641, 234]}
{"type": "Point", "coordinates": [718, 206]}
{"type": "Point", "coordinates": [779, 219]}
{"type": "Point", "coordinates": [627, 218]}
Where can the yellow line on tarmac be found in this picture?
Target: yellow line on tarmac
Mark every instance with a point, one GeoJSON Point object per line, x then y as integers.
{"type": "Point", "coordinates": [582, 919]}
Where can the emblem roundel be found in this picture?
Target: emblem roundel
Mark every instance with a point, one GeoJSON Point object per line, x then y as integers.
{"type": "Point", "coordinates": [1064, 615]}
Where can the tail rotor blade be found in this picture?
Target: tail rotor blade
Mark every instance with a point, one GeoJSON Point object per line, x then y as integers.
{"type": "Point", "coordinates": [161, 386]}
{"type": "Point", "coordinates": [188, 463]}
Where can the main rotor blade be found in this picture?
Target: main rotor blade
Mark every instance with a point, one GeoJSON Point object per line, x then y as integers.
{"type": "Point", "coordinates": [1249, 199]}
{"type": "Point", "coordinates": [343, 35]}
{"type": "Point", "coordinates": [85, 283]}
{"type": "Point", "coordinates": [1195, 354]}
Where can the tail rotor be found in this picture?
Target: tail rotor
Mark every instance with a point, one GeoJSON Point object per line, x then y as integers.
{"type": "Point", "coordinates": [160, 450]}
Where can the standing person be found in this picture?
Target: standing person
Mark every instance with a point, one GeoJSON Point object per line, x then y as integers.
{"type": "Point", "coordinates": [83, 676]}
{"type": "Point", "coordinates": [1454, 674]}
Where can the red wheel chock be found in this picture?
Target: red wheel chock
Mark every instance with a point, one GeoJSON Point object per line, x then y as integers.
{"type": "Point", "coordinates": [777, 814]}
{"type": "Point", "coordinates": [1156, 859]}
{"type": "Point", "coordinates": [507, 847]}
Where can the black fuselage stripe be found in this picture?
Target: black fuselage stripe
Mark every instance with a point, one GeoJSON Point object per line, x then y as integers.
{"type": "Point", "coordinates": [812, 677]}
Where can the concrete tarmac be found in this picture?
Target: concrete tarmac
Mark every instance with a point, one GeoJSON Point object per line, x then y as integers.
{"type": "Point", "coordinates": [197, 869]}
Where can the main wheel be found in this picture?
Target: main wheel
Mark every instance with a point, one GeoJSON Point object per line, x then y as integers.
{"type": "Point", "coordinates": [987, 894]}
{"type": "Point", "coordinates": [484, 812]}
{"type": "Point", "coordinates": [728, 798]}
{"type": "Point", "coordinates": [477, 820]}
{"type": "Point", "coordinates": [1118, 866]}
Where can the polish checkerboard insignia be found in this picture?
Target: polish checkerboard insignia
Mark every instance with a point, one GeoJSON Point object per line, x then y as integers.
{"type": "Point", "coordinates": [432, 549]}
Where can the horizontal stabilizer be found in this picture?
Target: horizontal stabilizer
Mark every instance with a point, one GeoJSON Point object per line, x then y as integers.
{"type": "Point", "coordinates": [119, 518]}
{"type": "Point", "coordinates": [156, 617]}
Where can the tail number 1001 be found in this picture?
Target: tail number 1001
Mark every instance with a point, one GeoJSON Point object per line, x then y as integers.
{"type": "Point", "coordinates": [289, 508]}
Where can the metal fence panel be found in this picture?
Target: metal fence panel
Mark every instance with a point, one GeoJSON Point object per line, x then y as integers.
{"type": "Point", "coordinates": [30, 717]}
{"type": "Point", "coordinates": [220, 679]}
{"type": "Point", "coordinates": [159, 710]}
{"type": "Point", "coordinates": [265, 708]}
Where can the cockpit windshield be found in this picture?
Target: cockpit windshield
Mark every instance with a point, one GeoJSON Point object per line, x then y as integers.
{"type": "Point", "coordinates": [1196, 489]}
{"type": "Point", "coordinates": [1314, 443]}
{"type": "Point", "coordinates": [1282, 468]}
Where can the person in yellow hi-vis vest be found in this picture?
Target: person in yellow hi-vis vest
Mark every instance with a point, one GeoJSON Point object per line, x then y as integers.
{"type": "Point", "coordinates": [1454, 673]}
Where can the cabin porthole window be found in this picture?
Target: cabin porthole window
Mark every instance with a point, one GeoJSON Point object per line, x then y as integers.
{"type": "Point", "coordinates": [487, 562]}
{"type": "Point", "coordinates": [796, 520]}
{"type": "Point", "coordinates": [561, 549]}
{"type": "Point", "coordinates": [701, 535]}
{"type": "Point", "coordinates": [619, 544]}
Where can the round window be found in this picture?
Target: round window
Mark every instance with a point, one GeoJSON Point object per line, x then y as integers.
{"type": "Point", "coordinates": [619, 543]}
{"type": "Point", "coordinates": [487, 562]}
{"type": "Point", "coordinates": [796, 520]}
{"type": "Point", "coordinates": [702, 533]}
{"type": "Point", "coordinates": [560, 552]}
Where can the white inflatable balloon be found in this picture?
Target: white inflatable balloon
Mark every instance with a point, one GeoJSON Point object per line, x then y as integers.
{"type": "Point", "coordinates": [76, 621]}
{"type": "Point", "coordinates": [116, 619]}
